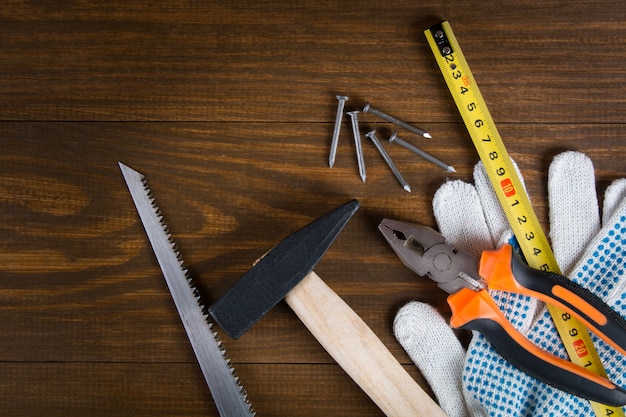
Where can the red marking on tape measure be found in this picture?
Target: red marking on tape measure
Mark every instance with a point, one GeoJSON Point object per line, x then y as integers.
{"type": "Point", "coordinates": [466, 81]}
{"type": "Point", "coordinates": [580, 347]}
{"type": "Point", "coordinates": [507, 187]}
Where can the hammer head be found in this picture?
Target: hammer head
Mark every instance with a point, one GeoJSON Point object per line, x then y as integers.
{"type": "Point", "coordinates": [278, 272]}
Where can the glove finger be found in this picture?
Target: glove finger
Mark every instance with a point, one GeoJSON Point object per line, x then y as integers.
{"type": "Point", "coordinates": [574, 213]}
{"type": "Point", "coordinates": [460, 217]}
{"type": "Point", "coordinates": [470, 217]}
{"type": "Point", "coordinates": [614, 195]}
{"type": "Point", "coordinates": [435, 350]}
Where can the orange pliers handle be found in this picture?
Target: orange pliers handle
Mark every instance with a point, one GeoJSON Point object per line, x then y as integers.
{"type": "Point", "coordinates": [503, 271]}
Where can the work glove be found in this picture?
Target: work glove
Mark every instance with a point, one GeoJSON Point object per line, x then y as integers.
{"type": "Point", "coordinates": [480, 382]}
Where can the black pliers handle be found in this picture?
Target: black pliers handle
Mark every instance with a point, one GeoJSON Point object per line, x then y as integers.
{"type": "Point", "coordinates": [424, 251]}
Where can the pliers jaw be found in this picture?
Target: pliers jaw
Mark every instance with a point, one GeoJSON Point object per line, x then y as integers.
{"type": "Point", "coordinates": [425, 252]}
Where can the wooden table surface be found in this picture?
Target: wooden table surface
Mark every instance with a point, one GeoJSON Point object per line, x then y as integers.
{"type": "Point", "coordinates": [228, 109]}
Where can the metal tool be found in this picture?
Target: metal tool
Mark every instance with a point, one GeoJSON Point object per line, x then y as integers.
{"type": "Point", "coordinates": [354, 119]}
{"type": "Point", "coordinates": [286, 272]}
{"type": "Point", "coordinates": [509, 189]}
{"type": "Point", "coordinates": [394, 138]}
{"type": "Point", "coordinates": [424, 251]}
{"type": "Point", "coordinates": [372, 136]}
{"type": "Point", "coordinates": [335, 140]}
{"type": "Point", "coordinates": [228, 395]}
{"type": "Point", "coordinates": [369, 109]}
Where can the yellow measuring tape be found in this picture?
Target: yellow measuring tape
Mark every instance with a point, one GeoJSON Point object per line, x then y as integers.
{"type": "Point", "coordinates": [511, 194]}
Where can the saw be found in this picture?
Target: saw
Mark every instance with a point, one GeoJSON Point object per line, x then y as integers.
{"type": "Point", "coordinates": [229, 397]}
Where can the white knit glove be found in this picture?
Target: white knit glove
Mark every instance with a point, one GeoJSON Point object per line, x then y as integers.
{"type": "Point", "coordinates": [482, 382]}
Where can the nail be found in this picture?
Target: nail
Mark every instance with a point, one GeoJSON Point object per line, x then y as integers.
{"type": "Point", "coordinates": [395, 139]}
{"type": "Point", "coordinates": [369, 109]}
{"type": "Point", "coordinates": [357, 142]}
{"type": "Point", "coordinates": [372, 135]}
{"type": "Point", "coordinates": [335, 141]}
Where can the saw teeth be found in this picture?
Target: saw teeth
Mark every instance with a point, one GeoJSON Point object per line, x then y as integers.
{"type": "Point", "coordinates": [140, 202]}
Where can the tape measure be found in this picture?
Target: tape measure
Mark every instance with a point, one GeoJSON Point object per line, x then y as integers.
{"type": "Point", "coordinates": [510, 192]}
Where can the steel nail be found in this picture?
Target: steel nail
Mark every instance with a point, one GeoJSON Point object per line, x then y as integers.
{"type": "Point", "coordinates": [369, 109]}
{"type": "Point", "coordinates": [335, 141]}
{"type": "Point", "coordinates": [372, 135]}
{"type": "Point", "coordinates": [357, 142]}
{"type": "Point", "coordinates": [395, 139]}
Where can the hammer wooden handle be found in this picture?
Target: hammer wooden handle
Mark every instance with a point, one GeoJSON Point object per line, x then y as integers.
{"type": "Point", "coordinates": [356, 348]}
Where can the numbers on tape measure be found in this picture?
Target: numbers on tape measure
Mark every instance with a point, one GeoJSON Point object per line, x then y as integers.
{"type": "Point", "coordinates": [489, 145]}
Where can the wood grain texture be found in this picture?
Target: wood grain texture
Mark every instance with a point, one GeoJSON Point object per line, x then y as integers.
{"type": "Point", "coordinates": [228, 108]}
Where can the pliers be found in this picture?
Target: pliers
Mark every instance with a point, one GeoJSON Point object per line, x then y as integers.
{"type": "Point", "coordinates": [425, 252]}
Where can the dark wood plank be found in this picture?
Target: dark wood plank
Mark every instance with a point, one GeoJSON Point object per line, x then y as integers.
{"type": "Point", "coordinates": [260, 61]}
{"type": "Point", "coordinates": [149, 389]}
{"type": "Point", "coordinates": [228, 109]}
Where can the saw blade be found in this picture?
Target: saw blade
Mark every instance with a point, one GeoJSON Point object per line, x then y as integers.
{"type": "Point", "coordinates": [228, 395]}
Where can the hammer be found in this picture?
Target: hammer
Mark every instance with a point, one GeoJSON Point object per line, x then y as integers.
{"type": "Point", "coordinates": [287, 272]}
